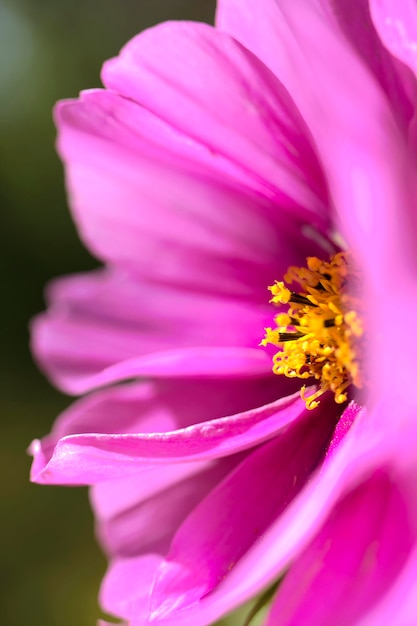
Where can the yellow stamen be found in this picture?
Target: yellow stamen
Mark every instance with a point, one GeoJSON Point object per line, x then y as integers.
{"type": "Point", "coordinates": [320, 334]}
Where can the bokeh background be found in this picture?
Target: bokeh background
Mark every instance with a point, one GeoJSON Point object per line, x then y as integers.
{"type": "Point", "coordinates": [49, 49]}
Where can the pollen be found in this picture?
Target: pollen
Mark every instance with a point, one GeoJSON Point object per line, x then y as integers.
{"type": "Point", "coordinates": [320, 335]}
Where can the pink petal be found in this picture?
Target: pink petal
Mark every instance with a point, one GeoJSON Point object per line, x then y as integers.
{"type": "Point", "coordinates": [207, 86]}
{"type": "Point", "coordinates": [343, 426]}
{"type": "Point", "coordinates": [368, 161]}
{"type": "Point", "coordinates": [298, 42]}
{"type": "Point", "coordinates": [237, 512]}
{"type": "Point", "coordinates": [125, 588]}
{"type": "Point", "coordinates": [214, 222]}
{"type": "Point", "coordinates": [398, 604]}
{"type": "Point", "coordinates": [90, 458]}
{"type": "Point", "coordinates": [199, 362]}
{"type": "Point", "coordinates": [219, 235]}
{"type": "Point", "coordinates": [288, 535]}
{"type": "Point", "coordinates": [396, 23]}
{"type": "Point", "coordinates": [355, 22]}
{"type": "Point", "coordinates": [105, 317]}
{"type": "Point", "coordinates": [327, 82]}
{"type": "Point", "coordinates": [136, 516]}
{"type": "Point", "coordinates": [355, 558]}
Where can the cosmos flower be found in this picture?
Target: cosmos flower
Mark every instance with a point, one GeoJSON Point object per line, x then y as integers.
{"type": "Point", "coordinates": [275, 150]}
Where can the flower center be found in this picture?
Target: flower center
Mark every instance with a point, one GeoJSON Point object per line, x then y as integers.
{"type": "Point", "coordinates": [320, 333]}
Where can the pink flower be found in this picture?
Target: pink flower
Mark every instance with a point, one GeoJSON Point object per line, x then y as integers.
{"type": "Point", "coordinates": [213, 160]}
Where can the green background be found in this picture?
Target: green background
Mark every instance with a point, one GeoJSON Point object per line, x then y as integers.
{"type": "Point", "coordinates": [49, 49]}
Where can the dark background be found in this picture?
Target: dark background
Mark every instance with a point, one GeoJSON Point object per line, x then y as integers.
{"type": "Point", "coordinates": [49, 49]}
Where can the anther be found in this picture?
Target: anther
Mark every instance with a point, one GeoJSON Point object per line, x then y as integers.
{"type": "Point", "coordinates": [320, 334]}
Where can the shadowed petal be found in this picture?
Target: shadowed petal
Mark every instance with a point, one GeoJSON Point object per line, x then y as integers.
{"type": "Point", "coordinates": [230, 517]}
{"type": "Point", "coordinates": [236, 513]}
{"type": "Point", "coordinates": [99, 319]}
{"type": "Point", "coordinates": [136, 516]}
{"type": "Point", "coordinates": [355, 558]}
{"type": "Point", "coordinates": [396, 23]}
{"type": "Point", "coordinates": [289, 534]}
{"type": "Point", "coordinates": [398, 605]}
{"type": "Point", "coordinates": [355, 22]}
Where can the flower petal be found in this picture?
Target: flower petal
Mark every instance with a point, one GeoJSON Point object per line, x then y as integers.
{"type": "Point", "coordinates": [396, 80]}
{"type": "Point", "coordinates": [237, 512]}
{"type": "Point", "coordinates": [355, 558]}
{"type": "Point", "coordinates": [207, 86]}
{"type": "Point", "coordinates": [136, 516]}
{"type": "Point", "coordinates": [104, 318]}
{"type": "Point", "coordinates": [300, 44]}
{"type": "Point", "coordinates": [219, 235]}
{"type": "Point", "coordinates": [195, 409]}
{"type": "Point", "coordinates": [289, 534]}
{"type": "Point", "coordinates": [398, 605]}
{"type": "Point", "coordinates": [118, 200]}
{"type": "Point", "coordinates": [367, 159]}
{"type": "Point", "coordinates": [125, 587]}
{"type": "Point", "coordinates": [396, 23]}
{"type": "Point", "coordinates": [327, 81]}
{"type": "Point", "coordinates": [347, 419]}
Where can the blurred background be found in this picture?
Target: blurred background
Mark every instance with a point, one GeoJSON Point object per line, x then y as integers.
{"type": "Point", "coordinates": [49, 49]}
